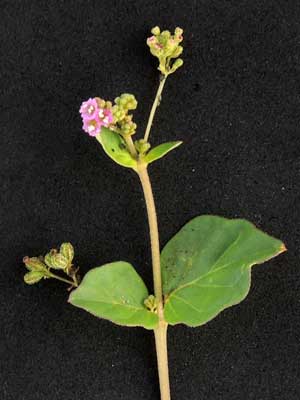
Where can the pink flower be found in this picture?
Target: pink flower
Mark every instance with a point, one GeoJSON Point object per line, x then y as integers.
{"type": "Point", "coordinates": [91, 126]}
{"type": "Point", "coordinates": [88, 109]}
{"type": "Point", "coordinates": [94, 117]}
{"type": "Point", "coordinates": [105, 116]}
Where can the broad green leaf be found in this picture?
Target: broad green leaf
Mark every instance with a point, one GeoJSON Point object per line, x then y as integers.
{"type": "Point", "coordinates": [116, 292]}
{"type": "Point", "coordinates": [115, 148]}
{"type": "Point", "coordinates": [206, 267]}
{"type": "Point", "coordinates": [160, 151]}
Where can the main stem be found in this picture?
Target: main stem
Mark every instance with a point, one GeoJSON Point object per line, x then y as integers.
{"type": "Point", "coordinates": [160, 332]}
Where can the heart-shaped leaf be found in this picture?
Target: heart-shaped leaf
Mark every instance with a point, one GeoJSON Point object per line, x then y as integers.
{"type": "Point", "coordinates": [206, 267]}
{"type": "Point", "coordinates": [116, 292]}
{"type": "Point", "coordinates": [160, 151]}
{"type": "Point", "coordinates": [114, 146]}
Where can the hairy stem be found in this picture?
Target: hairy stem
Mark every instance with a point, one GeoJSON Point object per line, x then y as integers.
{"type": "Point", "coordinates": [161, 331]}
{"type": "Point", "coordinates": [154, 107]}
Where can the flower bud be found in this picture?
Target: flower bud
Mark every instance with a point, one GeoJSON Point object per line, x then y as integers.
{"type": "Point", "coordinates": [155, 31]}
{"type": "Point", "coordinates": [67, 250]}
{"type": "Point", "coordinates": [33, 277]}
{"type": "Point", "coordinates": [126, 101]}
{"type": "Point", "coordinates": [178, 31]}
{"type": "Point", "coordinates": [142, 146]}
{"type": "Point", "coordinates": [176, 53]}
{"type": "Point", "coordinates": [165, 34]}
{"type": "Point", "coordinates": [177, 63]}
{"type": "Point", "coordinates": [118, 113]}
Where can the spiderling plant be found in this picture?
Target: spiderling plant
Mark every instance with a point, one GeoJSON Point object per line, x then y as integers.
{"type": "Point", "coordinates": [203, 269]}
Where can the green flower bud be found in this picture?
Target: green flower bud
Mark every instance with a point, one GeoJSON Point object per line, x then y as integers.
{"type": "Point", "coordinates": [118, 113]}
{"type": "Point", "coordinates": [34, 264]}
{"type": "Point", "coordinates": [155, 31]}
{"type": "Point", "coordinates": [165, 34]}
{"type": "Point", "coordinates": [150, 303]}
{"type": "Point", "coordinates": [177, 63]}
{"type": "Point", "coordinates": [178, 31]}
{"type": "Point", "coordinates": [67, 250]}
{"type": "Point", "coordinates": [142, 146]}
{"type": "Point", "coordinates": [176, 53]}
{"type": "Point", "coordinates": [127, 101]}
{"type": "Point", "coordinates": [33, 277]}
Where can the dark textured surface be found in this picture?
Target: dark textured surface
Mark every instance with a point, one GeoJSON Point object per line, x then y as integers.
{"type": "Point", "coordinates": [236, 105]}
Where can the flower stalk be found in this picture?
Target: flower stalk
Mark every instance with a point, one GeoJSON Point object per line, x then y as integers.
{"type": "Point", "coordinates": [154, 106]}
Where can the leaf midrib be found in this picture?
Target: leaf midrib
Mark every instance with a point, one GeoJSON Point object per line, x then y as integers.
{"type": "Point", "coordinates": [113, 304]}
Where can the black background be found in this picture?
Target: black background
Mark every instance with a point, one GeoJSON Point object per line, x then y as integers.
{"type": "Point", "coordinates": [236, 106]}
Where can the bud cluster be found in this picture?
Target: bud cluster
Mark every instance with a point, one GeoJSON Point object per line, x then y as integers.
{"type": "Point", "coordinates": [97, 112]}
{"type": "Point", "coordinates": [166, 48]}
{"type": "Point", "coordinates": [142, 146]}
{"type": "Point", "coordinates": [150, 303]}
{"type": "Point", "coordinates": [121, 117]}
{"type": "Point", "coordinates": [41, 267]}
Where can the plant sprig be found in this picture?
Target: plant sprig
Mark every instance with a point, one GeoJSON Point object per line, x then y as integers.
{"type": "Point", "coordinates": [204, 269]}
{"type": "Point", "coordinates": [61, 261]}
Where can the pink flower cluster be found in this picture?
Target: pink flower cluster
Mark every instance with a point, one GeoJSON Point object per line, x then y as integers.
{"type": "Point", "coordinates": [94, 117]}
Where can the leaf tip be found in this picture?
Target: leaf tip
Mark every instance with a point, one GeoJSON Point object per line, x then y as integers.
{"type": "Point", "coordinates": [282, 248]}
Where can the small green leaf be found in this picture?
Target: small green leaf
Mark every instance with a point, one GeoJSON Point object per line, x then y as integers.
{"type": "Point", "coordinates": [115, 148]}
{"type": "Point", "coordinates": [34, 264]}
{"type": "Point", "coordinates": [67, 250]}
{"type": "Point", "coordinates": [160, 151]}
{"type": "Point", "coordinates": [206, 267]}
{"type": "Point", "coordinates": [56, 260]}
{"type": "Point", "coordinates": [115, 292]}
{"type": "Point", "coordinates": [33, 277]}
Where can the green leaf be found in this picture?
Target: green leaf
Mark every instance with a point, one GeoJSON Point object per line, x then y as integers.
{"type": "Point", "coordinates": [56, 260]}
{"type": "Point", "coordinates": [116, 292]}
{"type": "Point", "coordinates": [33, 277]}
{"type": "Point", "coordinates": [206, 267]}
{"type": "Point", "coordinates": [114, 146]}
{"type": "Point", "coordinates": [160, 151]}
{"type": "Point", "coordinates": [34, 264]}
{"type": "Point", "coordinates": [67, 250]}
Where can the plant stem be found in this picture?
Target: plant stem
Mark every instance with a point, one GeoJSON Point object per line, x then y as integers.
{"type": "Point", "coordinates": [153, 227]}
{"type": "Point", "coordinates": [161, 331]}
{"type": "Point", "coordinates": [162, 360]}
{"type": "Point", "coordinates": [154, 107]}
{"type": "Point", "coordinates": [63, 279]}
{"type": "Point", "coordinates": [130, 145]}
